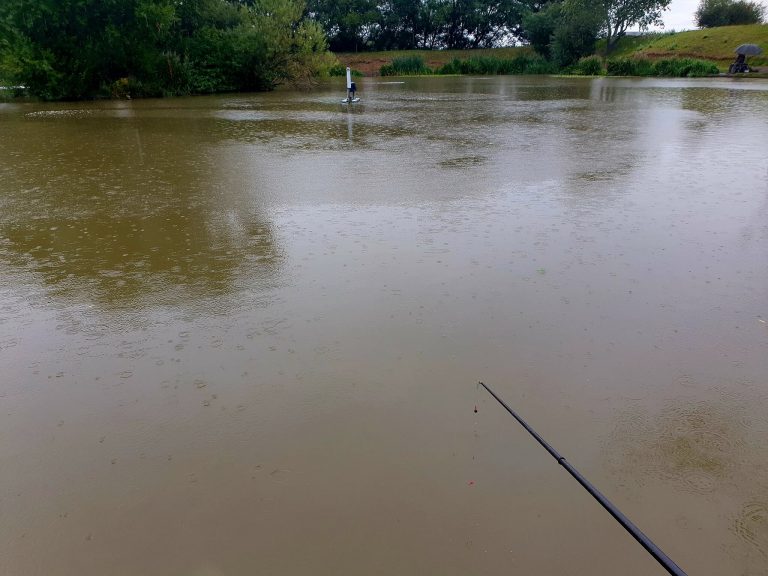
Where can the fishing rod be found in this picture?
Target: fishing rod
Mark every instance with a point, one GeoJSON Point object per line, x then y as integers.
{"type": "Point", "coordinates": [636, 533]}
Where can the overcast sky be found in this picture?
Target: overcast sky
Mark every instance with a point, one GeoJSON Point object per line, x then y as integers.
{"type": "Point", "coordinates": [680, 15]}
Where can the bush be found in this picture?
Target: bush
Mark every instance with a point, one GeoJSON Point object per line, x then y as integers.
{"type": "Point", "coordinates": [489, 65]}
{"type": "Point", "coordinates": [684, 67]}
{"type": "Point", "coordinates": [670, 67]}
{"type": "Point", "coordinates": [629, 67]}
{"type": "Point", "coordinates": [538, 28]}
{"type": "Point", "coordinates": [712, 13]}
{"type": "Point", "coordinates": [64, 50]}
{"type": "Point", "coordinates": [700, 68]}
{"type": "Point", "coordinates": [406, 66]}
{"type": "Point", "coordinates": [590, 66]}
{"type": "Point", "coordinates": [574, 37]}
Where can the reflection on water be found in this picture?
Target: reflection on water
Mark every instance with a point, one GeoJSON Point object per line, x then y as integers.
{"type": "Point", "coordinates": [120, 260]}
{"type": "Point", "coordinates": [130, 215]}
{"type": "Point", "coordinates": [267, 314]}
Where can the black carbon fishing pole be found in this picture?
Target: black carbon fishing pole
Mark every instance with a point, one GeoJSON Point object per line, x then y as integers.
{"type": "Point", "coordinates": [636, 533]}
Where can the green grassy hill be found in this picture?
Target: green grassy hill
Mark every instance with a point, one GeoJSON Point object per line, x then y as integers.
{"type": "Point", "coordinates": [715, 44]}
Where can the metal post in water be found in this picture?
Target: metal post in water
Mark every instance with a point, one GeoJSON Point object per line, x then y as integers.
{"type": "Point", "coordinates": [636, 533]}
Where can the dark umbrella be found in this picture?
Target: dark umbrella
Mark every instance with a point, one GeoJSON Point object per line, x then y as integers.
{"type": "Point", "coordinates": [749, 50]}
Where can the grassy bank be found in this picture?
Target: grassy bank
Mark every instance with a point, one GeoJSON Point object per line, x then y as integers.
{"type": "Point", "coordinates": [714, 45]}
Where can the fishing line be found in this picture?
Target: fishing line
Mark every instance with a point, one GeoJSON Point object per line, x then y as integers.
{"type": "Point", "coordinates": [636, 533]}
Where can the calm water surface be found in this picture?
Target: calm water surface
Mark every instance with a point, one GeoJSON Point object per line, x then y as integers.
{"type": "Point", "coordinates": [241, 334]}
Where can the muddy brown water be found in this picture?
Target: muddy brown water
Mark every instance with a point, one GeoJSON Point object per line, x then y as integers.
{"type": "Point", "coordinates": [241, 334]}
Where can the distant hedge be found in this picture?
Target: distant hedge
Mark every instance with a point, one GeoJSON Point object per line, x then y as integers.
{"type": "Point", "coordinates": [670, 67]}
{"type": "Point", "coordinates": [487, 65]}
{"type": "Point", "coordinates": [481, 65]}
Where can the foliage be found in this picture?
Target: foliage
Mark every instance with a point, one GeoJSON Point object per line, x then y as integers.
{"type": "Point", "coordinates": [589, 66]}
{"type": "Point", "coordinates": [673, 67]}
{"type": "Point", "coordinates": [540, 26]}
{"type": "Point", "coordinates": [522, 63]}
{"type": "Point", "coordinates": [713, 13]}
{"type": "Point", "coordinates": [562, 31]}
{"type": "Point", "coordinates": [71, 49]}
{"type": "Point", "coordinates": [480, 23]}
{"type": "Point", "coordinates": [629, 67]}
{"type": "Point", "coordinates": [684, 67]}
{"type": "Point", "coordinates": [349, 24]}
{"type": "Point", "coordinates": [575, 34]}
{"type": "Point", "coordinates": [406, 66]}
{"type": "Point", "coordinates": [486, 65]}
{"type": "Point", "coordinates": [353, 25]}
{"type": "Point", "coordinates": [617, 16]}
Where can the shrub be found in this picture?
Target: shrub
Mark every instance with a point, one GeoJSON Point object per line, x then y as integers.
{"type": "Point", "coordinates": [629, 67]}
{"type": "Point", "coordinates": [700, 68]}
{"type": "Point", "coordinates": [538, 27]}
{"type": "Point", "coordinates": [574, 37]}
{"type": "Point", "coordinates": [670, 67]}
{"type": "Point", "coordinates": [406, 66]}
{"type": "Point", "coordinates": [590, 66]}
{"type": "Point", "coordinates": [684, 67]}
{"type": "Point", "coordinates": [712, 13]}
{"type": "Point", "coordinates": [489, 65]}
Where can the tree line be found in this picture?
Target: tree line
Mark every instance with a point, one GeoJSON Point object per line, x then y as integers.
{"type": "Point", "coordinates": [563, 29]}
{"type": "Point", "coordinates": [353, 25]}
{"type": "Point", "coordinates": [560, 30]}
{"type": "Point", "coordinates": [72, 49]}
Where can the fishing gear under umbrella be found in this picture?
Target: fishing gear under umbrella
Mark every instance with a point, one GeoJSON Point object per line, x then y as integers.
{"type": "Point", "coordinates": [740, 64]}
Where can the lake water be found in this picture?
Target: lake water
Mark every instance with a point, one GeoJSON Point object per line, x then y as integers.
{"type": "Point", "coordinates": [242, 334]}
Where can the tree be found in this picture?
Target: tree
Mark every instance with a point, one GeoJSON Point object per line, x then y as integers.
{"type": "Point", "coordinates": [349, 24]}
{"type": "Point", "coordinates": [618, 16]}
{"type": "Point", "coordinates": [481, 23]}
{"type": "Point", "coordinates": [406, 24]}
{"type": "Point", "coordinates": [539, 27]}
{"type": "Point", "coordinates": [563, 31]}
{"type": "Point", "coordinates": [712, 13]}
{"type": "Point", "coordinates": [88, 48]}
{"type": "Point", "coordinates": [575, 34]}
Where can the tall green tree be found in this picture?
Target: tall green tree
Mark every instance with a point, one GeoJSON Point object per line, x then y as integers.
{"type": "Point", "coordinates": [539, 27]}
{"type": "Point", "coordinates": [712, 13]}
{"type": "Point", "coordinates": [618, 16]}
{"type": "Point", "coordinates": [349, 24]}
{"type": "Point", "coordinates": [563, 31]}
{"type": "Point", "coordinates": [575, 34]}
{"type": "Point", "coordinates": [403, 24]}
{"type": "Point", "coordinates": [87, 48]}
{"type": "Point", "coordinates": [481, 23]}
